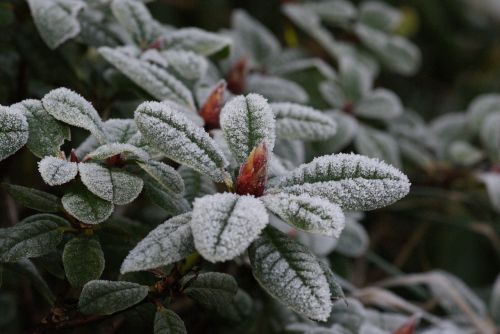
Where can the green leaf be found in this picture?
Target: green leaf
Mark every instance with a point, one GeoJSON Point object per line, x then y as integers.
{"type": "Point", "coordinates": [168, 322]}
{"type": "Point", "coordinates": [379, 15]}
{"type": "Point", "coordinates": [224, 225]}
{"type": "Point", "coordinates": [480, 108]}
{"type": "Point", "coordinates": [13, 131]}
{"type": "Point", "coordinates": [71, 108]}
{"type": "Point", "coordinates": [83, 260]}
{"type": "Point", "coordinates": [126, 151]}
{"type": "Point", "coordinates": [335, 288]}
{"type": "Point", "coordinates": [290, 273]}
{"type": "Point", "coordinates": [27, 268]}
{"type": "Point", "coordinates": [355, 81]}
{"type": "Point", "coordinates": [55, 171]}
{"type": "Point", "coordinates": [164, 175]}
{"type": "Point", "coordinates": [239, 309]}
{"type": "Point", "coordinates": [463, 153]}
{"type": "Point", "coordinates": [347, 127]}
{"type": "Point", "coordinates": [87, 207]}
{"type": "Point", "coordinates": [212, 290]}
{"type": "Point", "coordinates": [495, 301]}
{"type": "Point", "coordinates": [172, 203]}
{"type": "Point", "coordinates": [353, 240]}
{"type": "Point", "coordinates": [187, 64]}
{"type": "Point", "coordinates": [169, 242]}
{"type": "Point", "coordinates": [492, 182]}
{"type": "Point", "coordinates": [180, 140]}
{"type": "Point", "coordinates": [276, 89]}
{"type": "Point", "coordinates": [199, 41]}
{"type": "Point", "coordinates": [377, 144]}
{"type": "Point", "coordinates": [490, 136]}
{"type": "Point", "coordinates": [107, 297]}
{"type": "Point", "coordinates": [195, 184]}
{"type": "Point", "coordinates": [352, 181]}
{"type": "Point", "coordinates": [333, 11]}
{"type": "Point", "coordinates": [46, 134]}
{"type": "Point", "coordinates": [379, 104]}
{"type": "Point", "coordinates": [136, 19]}
{"type": "Point", "coordinates": [247, 121]}
{"type": "Point", "coordinates": [113, 185]}
{"type": "Point", "coordinates": [33, 198]}
{"type": "Point", "coordinates": [39, 236]}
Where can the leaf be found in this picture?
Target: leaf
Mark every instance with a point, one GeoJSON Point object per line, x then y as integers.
{"type": "Point", "coordinates": [492, 183]}
{"type": "Point", "coordinates": [195, 184]}
{"type": "Point", "coordinates": [56, 20]}
{"type": "Point", "coordinates": [311, 214]}
{"type": "Point", "coordinates": [212, 290]}
{"type": "Point", "coordinates": [172, 203]}
{"type": "Point", "coordinates": [252, 177]}
{"type": "Point", "coordinates": [291, 274]}
{"type": "Point", "coordinates": [126, 151]}
{"type": "Point", "coordinates": [333, 94]}
{"type": "Point", "coordinates": [187, 64]}
{"type": "Point", "coordinates": [495, 301]}
{"type": "Point", "coordinates": [379, 15]}
{"type": "Point", "coordinates": [334, 11]}
{"type": "Point", "coordinates": [97, 31]}
{"type": "Point", "coordinates": [101, 297]}
{"type": "Point", "coordinates": [33, 198]}
{"type": "Point", "coordinates": [46, 134]}
{"type": "Point", "coordinates": [480, 108]}
{"type": "Point", "coordinates": [246, 121]}
{"type": "Point", "coordinates": [377, 144]}
{"type": "Point", "coordinates": [55, 171]}
{"type": "Point", "coordinates": [239, 309]}
{"type": "Point", "coordinates": [83, 260]}
{"type": "Point", "coordinates": [211, 108]}
{"type": "Point", "coordinates": [87, 207]}
{"type": "Point", "coordinates": [164, 175]}
{"type": "Point", "coordinates": [199, 41]}
{"type": "Point", "coordinates": [276, 89]}
{"type": "Point", "coordinates": [336, 292]}
{"type": "Point", "coordinates": [295, 121]}
{"type": "Point", "coordinates": [169, 242]}
{"type": "Point", "coordinates": [347, 127]}
{"type": "Point", "coordinates": [490, 135]}
{"type": "Point", "coordinates": [113, 185]}
{"type": "Point", "coordinates": [136, 19]}
{"type": "Point", "coordinates": [380, 104]}
{"type": "Point", "coordinates": [38, 237]}
{"type": "Point", "coordinates": [463, 153]}
{"type": "Point", "coordinates": [352, 181]}
{"type": "Point", "coordinates": [168, 322]}
{"type": "Point", "coordinates": [27, 268]}
{"type": "Point", "coordinates": [224, 225]}
{"type": "Point", "coordinates": [180, 140]}
{"type": "Point", "coordinates": [13, 132]}
{"type": "Point", "coordinates": [353, 240]}
{"type": "Point", "coordinates": [302, 65]}
{"type": "Point", "coordinates": [71, 108]}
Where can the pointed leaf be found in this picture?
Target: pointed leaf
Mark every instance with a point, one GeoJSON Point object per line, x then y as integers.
{"type": "Point", "coordinates": [195, 184]}
{"type": "Point", "coordinates": [87, 207]}
{"type": "Point", "coordinates": [168, 322]}
{"type": "Point", "coordinates": [172, 203]}
{"type": "Point", "coordinates": [199, 41]}
{"type": "Point", "coordinates": [252, 177]}
{"type": "Point", "coordinates": [136, 19]}
{"type": "Point", "coordinates": [83, 260]}
{"type": "Point", "coordinates": [212, 290]}
{"type": "Point", "coordinates": [13, 131]}
{"type": "Point", "coordinates": [211, 108]}
{"type": "Point", "coordinates": [225, 224]}
{"type": "Point", "coordinates": [126, 151]}
{"type": "Point", "coordinates": [276, 89]}
{"type": "Point", "coordinates": [164, 175]}
{"type": "Point", "coordinates": [55, 171]}
{"type": "Point", "coordinates": [34, 198]}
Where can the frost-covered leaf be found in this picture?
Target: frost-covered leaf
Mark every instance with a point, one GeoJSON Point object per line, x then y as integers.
{"type": "Point", "coordinates": [87, 207]}
{"type": "Point", "coordinates": [354, 80]}
{"type": "Point", "coordinates": [463, 153]}
{"type": "Point", "coordinates": [480, 108]}
{"type": "Point", "coordinates": [379, 15]}
{"type": "Point", "coordinates": [353, 240]}
{"type": "Point", "coordinates": [136, 19]}
{"type": "Point", "coordinates": [195, 184]}
{"type": "Point", "coordinates": [107, 297]}
{"type": "Point", "coordinates": [188, 64]}
{"type": "Point", "coordinates": [152, 78]}
{"type": "Point", "coordinates": [225, 224]}
{"type": "Point", "coordinates": [113, 185]}
{"type": "Point", "coordinates": [352, 181]}
{"type": "Point", "coordinates": [170, 242]}
{"type": "Point", "coordinates": [212, 290]}
{"type": "Point", "coordinates": [164, 175]}
{"type": "Point", "coordinates": [300, 65]}
{"type": "Point", "coordinates": [247, 121]}
{"type": "Point", "coordinates": [292, 151]}
{"type": "Point", "coordinates": [38, 236]}
{"type": "Point", "coordinates": [333, 94]}
{"type": "Point", "coordinates": [490, 135]}
{"type": "Point", "coordinates": [13, 131]}
{"type": "Point", "coordinates": [97, 31]}
{"type": "Point", "coordinates": [71, 108]}
{"type": "Point", "coordinates": [495, 301]}
{"type": "Point", "coordinates": [239, 309]}
{"type": "Point", "coordinates": [276, 89]}
{"type": "Point", "coordinates": [168, 322]}
{"type": "Point", "coordinates": [33, 198]}
{"type": "Point", "coordinates": [55, 171]}
{"type": "Point", "coordinates": [333, 11]}
{"type": "Point", "coordinates": [199, 41]}
{"type": "Point", "coordinates": [290, 273]}
{"type": "Point", "coordinates": [83, 260]}
{"type": "Point", "coordinates": [56, 20]}
{"type": "Point", "coordinates": [347, 127]}
{"type": "Point", "coordinates": [380, 104]}
{"type": "Point", "coordinates": [180, 140]}
{"type": "Point", "coordinates": [492, 183]}
{"type": "Point", "coordinates": [311, 214]}
{"type": "Point", "coordinates": [172, 203]}
{"type": "Point", "coordinates": [126, 151]}
{"type": "Point", "coordinates": [295, 121]}
{"type": "Point", "coordinates": [46, 134]}
{"type": "Point", "coordinates": [377, 144]}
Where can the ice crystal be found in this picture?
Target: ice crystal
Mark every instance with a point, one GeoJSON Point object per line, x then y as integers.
{"type": "Point", "coordinates": [127, 151]}
{"type": "Point", "coordinates": [87, 207]}
{"type": "Point", "coordinates": [276, 89]}
{"type": "Point", "coordinates": [164, 175]}
{"type": "Point", "coordinates": [225, 224]}
{"type": "Point", "coordinates": [13, 131]}
{"type": "Point", "coordinates": [199, 41]}
{"type": "Point", "coordinates": [55, 171]}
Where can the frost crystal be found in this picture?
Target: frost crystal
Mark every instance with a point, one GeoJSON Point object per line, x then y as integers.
{"type": "Point", "coordinates": [246, 121]}
{"type": "Point", "coordinates": [290, 273]}
{"type": "Point", "coordinates": [180, 140]}
{"type": "Point", "coordinates": [169, 242]}
{"type": "Point", "coordinates": [276, 89]}
{"type": "Point", "coordinates": [311, 214]}
{"type": "Point", "coordinates": [164, 175]}
{"type": "Point", "coordinates": [13, 131]}
{"type": "Point", "coordinates": [71, 108]}
{"type": "Point", "coordinates": [136, 19]}
{"type": "Point", "coordinates": [199, 41]}
{"type": "Point", "coordinates": [225, 224]}
{"type": "Point", "coordinates": [188, 64]}
{"type": "Point", "coordinates": [127, 151]}
{"type": "Point", "coordinates": [295, 121]}
{"type": "Point", "coordinates": [57, 171]}
{"type": "Point", "coordinates": [113, 185]}
{"type": "Point", "coordinates": [196, 184]}
{"type": "Point", "coordinates": [352, 181]}
{"type": "Point", "coordinates": [87, 207]}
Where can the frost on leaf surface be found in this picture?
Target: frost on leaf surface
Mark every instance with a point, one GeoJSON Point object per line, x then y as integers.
{"type": "Point", "coordinates": [83, 260]}
{"type": "Point", "coordinates": [169, 242]}
{"type": "Point", "coordinates": [164, 175]}
{"type": "Point", "coordinates": [480, 108]}
{"type": "Point", "coordinates": [113, 185]}
{"type": "Point", "coordinates": [289, 272]}
{"type": "Point", "coordinates": [46, 134]}
{"type": "Point", "coordinates": [126, 151]}
{"type": "Point", "coordinates": [199, 41]}
{"type": "Point", "coordinates": [188, 64]}
{"type": "Point", "coordinates": [225, 224]}
{"type": "Point", "coordinates": [55, 171]}
{"type": "Point", "coordinates": [172, 203]}
{"type": "Point", "coordinates": [13, 132]}
{"type": "Point", "coordinates": [380, 104]}
{"type": "Point", "coordinates": [295, 121]}
{"type": "Point", "coordinates": [107, 297]}
{"type": "Point", "coordinates": [377, 144]}
{"type": "Point", "coordinates": [276, 89]}
{"type": "Point", "coordinates": [311, 214]}
{"type": "Point", "coordinates": [136, 19]}
{"type": "Point", "coordinates": [86, 207]}
{"type": "Point", "coordinates": [180, 140]}
{"type": "Point", "coordinates": [56, 20]}
{"type": "Point", "coordinates": [352, 181]}
{"type": "Point", "coordinates": [212, 290]}
{"type": "Point", "coordinates": [34, 198]}
{"type": "Point", "coordinates": [71, 108]}
{"type": "Point", "coordinates": [168, 322]}
{"type": "Point", "coordinates": [196, 184]}
{"type": "Point", "coordinates": [246, 121]}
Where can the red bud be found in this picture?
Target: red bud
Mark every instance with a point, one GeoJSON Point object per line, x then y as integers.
{"type": "Point", "coordinates": [115, 161]}
{"type": "Point", "coordinates": [408, 327]}
{"type": "Point", "coordinates": [72, 156]}
{"type": "Point", "coordinates": [210, 110]}
{"type": "Point", "coordinates": [253, 173]}
{"type": "Point", "coordinates": [237, 76]}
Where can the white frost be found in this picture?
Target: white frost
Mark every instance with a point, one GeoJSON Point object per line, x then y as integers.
{"type": "Point", "coordinates": [55, 171]}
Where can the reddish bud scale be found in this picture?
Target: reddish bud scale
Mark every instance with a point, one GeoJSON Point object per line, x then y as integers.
{"type": "Point", "coordinates": [237, 76]}
{"type": "Point", "coordinates": [348, 107]}
{"type": "Point", "coordinates": [210, 110]}
{"type": "Point", "coordinates": [115, 161]}
{"type": "Point", "coordinates": [73, 157]}
{"type": "Point", "coordinates": [253, 173]}
{"type": "Point", "coordinates": [157, 44]}
{"type": "Point", "coordinates": [408, 327]}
